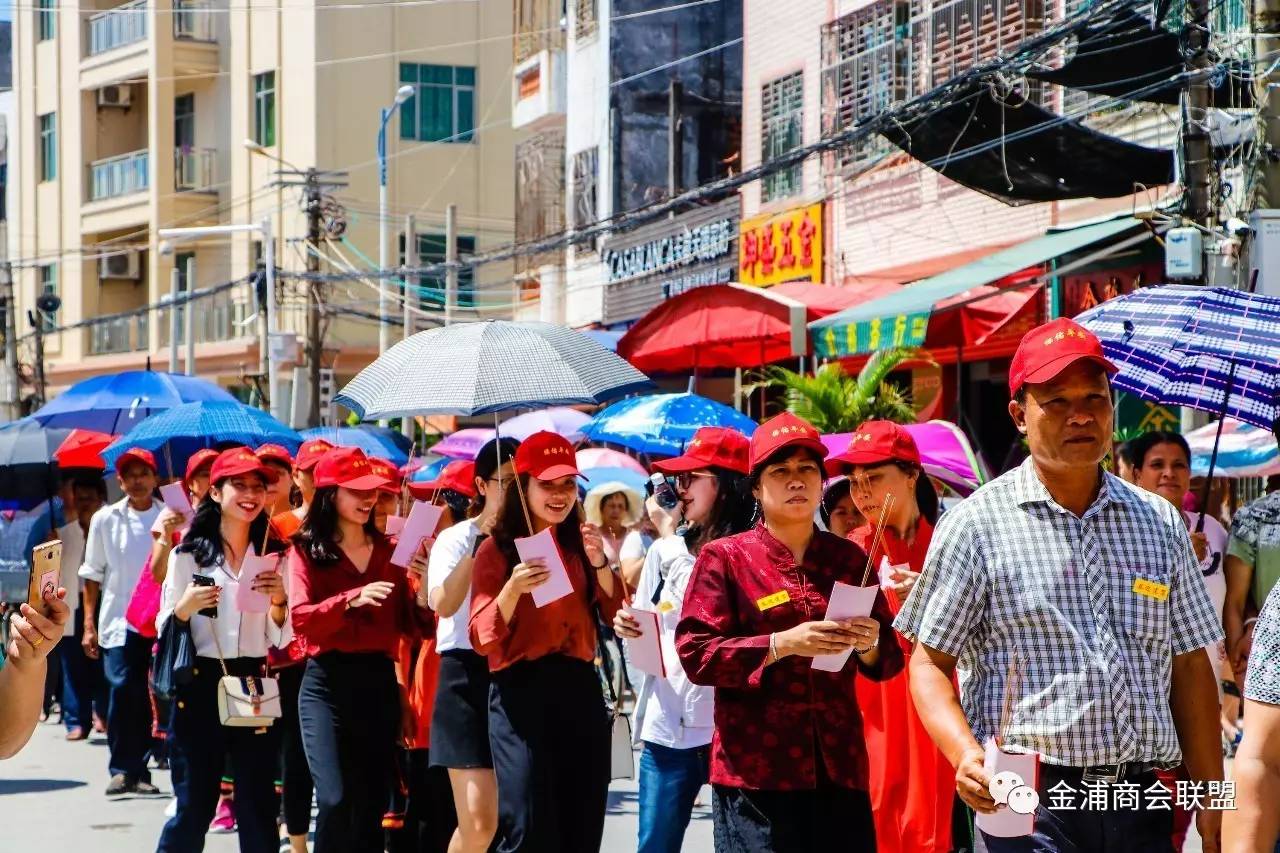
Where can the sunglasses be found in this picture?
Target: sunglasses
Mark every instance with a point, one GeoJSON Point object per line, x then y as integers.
{"type": "Point", "coordinates": [685, 478]}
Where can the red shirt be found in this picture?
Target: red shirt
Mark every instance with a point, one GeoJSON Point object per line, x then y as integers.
{"type": "Point", "coordinates": [285, 524]}
{"type": "Point", "coordinates": [318, 597]}
{"type": "Point", "coordinates": [565, 627]}
{"type": "Point", "coordinates": [770, 719]}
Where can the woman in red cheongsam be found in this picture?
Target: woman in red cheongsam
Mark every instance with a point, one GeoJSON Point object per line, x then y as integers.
{"type": "Point", "coordinates": [912, 785]}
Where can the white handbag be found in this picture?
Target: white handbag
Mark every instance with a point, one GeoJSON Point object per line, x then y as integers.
{"type": "Point", "coordinates": [622, 760]}
{"type": "Point", "coordinates": [248, 702]}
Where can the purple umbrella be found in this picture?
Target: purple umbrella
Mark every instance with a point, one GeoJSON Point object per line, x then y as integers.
{"type": "Point", "coordinates": [945, 453]}
{"type": "Point", "coordinates": [463, 444]}
{"type": "Point", "coordinates": [466, 443]}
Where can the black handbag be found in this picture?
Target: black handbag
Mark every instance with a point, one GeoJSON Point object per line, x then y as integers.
{"type": "Point", "coordinates": [175, 659]}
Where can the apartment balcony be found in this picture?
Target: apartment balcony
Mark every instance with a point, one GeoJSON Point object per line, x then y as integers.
{"type": "Point", "coordinates": [117, 42]}
{"type": "Point", "coordinates": [217, 319]}
{"type": "Point", "coordinates": [195, 38]}
{"type": "Point", "coordinates": [538, 91]}
{"type": "Point", "coordinates": [122, 334]}
{"type": "Point", "coordinates": [118, 196]}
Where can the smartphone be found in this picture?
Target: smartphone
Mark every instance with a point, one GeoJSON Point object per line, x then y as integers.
{"type": "Point", "coordinates": [205, 580]}
{"type": "Point", "coordinates": [46, 570]}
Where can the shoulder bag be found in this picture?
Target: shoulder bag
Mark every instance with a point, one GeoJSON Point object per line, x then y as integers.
{"type": "Point", "coordinates": [175, 659]}
{"type": "Point", "coordinates": [249, 702]}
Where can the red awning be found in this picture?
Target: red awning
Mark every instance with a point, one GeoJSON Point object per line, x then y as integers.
{"type": "Point", "coordinates": [728, 326]}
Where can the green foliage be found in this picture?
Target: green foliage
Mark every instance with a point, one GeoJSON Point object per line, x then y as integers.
{"type": "Point", "coordinates": [834, 401]}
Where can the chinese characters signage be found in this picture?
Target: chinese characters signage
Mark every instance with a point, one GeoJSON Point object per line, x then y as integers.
{"type": "Point", "coordinates": [864, 336]}
{"type": "Point", "coordinates": [782, 247]}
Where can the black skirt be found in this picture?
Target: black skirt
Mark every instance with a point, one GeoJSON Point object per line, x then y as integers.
{"type": "Point", "coordinates": [460, 720]}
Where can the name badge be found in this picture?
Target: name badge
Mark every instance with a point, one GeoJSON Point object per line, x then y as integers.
{"type": "Point", "coordinates": [1151, 589]}
{"type": "Point", "coordinates": [780, 597]}
{"type": "Point", "coordinates": [665, 607]}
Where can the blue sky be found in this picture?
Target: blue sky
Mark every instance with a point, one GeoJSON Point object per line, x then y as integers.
{"type": "Point", "coordinates": [5, 11]}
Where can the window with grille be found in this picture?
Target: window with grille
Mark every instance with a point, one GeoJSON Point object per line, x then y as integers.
{"type": "Point", "coordinates": [431, 250]}
{"type": "Point", "coordinates": [264, 108]}
{"type": "Point", "coordinates": [585, 170]}
{"type": "Point", "coordinates": [443, 105]}
{"type": "Point", "coordinates": [782, 130]}
{"type": "Point", "coordinates": [962, 33]}
{"type": "Point", "coordinates": [864, 72]}
{"type": "Point", "coordinates": [49, 147]}
{"type": "Point", "coordinates": [48, 286]}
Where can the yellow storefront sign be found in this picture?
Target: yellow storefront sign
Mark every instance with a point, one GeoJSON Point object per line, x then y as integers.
{"type": "Point", "coordinates": [781, 247]}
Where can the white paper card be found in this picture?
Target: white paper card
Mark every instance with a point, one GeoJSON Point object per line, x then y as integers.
{"type": "Point", "coordinates": [175, 498]}
{"type": "Point", "coordinates": [421, 524]}
{"type": "Point", "coordinates": [248, 599]}
{"type": "Point", "coordinates": [543, 545]}
{"type": "Point", "coordinates": [645, 651]}
{"type": "Point", "coordinates": [395, 525]}
{"type": "Point", "coordinates": [1007, 822]}
{"type": "Point", "coordinates": [847, 602]}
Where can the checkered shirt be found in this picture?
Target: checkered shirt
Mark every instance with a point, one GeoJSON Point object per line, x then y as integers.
{"type": "Point", "coordinates": [1262, 683]}
{"type": "Point", "coordinates": [1010, 575]}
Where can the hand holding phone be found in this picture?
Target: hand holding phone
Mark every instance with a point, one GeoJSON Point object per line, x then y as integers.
{"type": "Point", "coordinates": [46, 570]}
{"type": "Point", "coordinates": [205, 580]}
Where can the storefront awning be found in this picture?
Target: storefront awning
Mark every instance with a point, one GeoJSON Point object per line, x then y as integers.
{"type": "Point", "coordinates": [902, 318]}
{"type": "Point", "coordinates": [730, 326]}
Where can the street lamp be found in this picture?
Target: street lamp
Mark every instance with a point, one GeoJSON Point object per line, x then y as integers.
{"type": "Point", "coordinates": [403, 94]}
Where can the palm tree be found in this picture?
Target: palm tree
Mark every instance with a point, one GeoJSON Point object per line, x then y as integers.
{"type": "Point", "coordinates": [833, 401]}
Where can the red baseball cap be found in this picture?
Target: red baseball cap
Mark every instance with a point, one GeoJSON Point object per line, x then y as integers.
{"type": "Point", "coordinates": [136, 454]}
{"type": "Point", "coordinates": [240, 460]}
{"type": "Point", "coordinates": [347, 467]}
{"type": "Point", "coordinates": [274, 453]}
{"type": "Point", "coordinates": [388, 471]}
{"type": "Point", "coordinates": [875, 442]}
{"type": "Point", "coordinates": [547, 456]}
{"type": "Point", "coordinates": [310, 452]}
{"type": "Point", "coordinates": [1047, 350]}
{"type": "Point", "coordinates": [784, 430]}
{"type": "Point", "coordinates": [198, 460]}
{"type": "Point", "coordinates": [459, 476]}
{"type": "Point", "coordinates": [711, 447]}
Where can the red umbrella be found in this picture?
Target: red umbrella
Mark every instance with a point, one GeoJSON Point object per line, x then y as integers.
{"type": "Point", "coordinates": [83, 449]}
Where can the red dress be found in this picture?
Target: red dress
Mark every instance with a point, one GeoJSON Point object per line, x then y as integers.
{"type": "Point", "coordinates": [912, 784]}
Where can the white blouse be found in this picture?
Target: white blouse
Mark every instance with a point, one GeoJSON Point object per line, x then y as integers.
{"type": "Point", "coordinates": [244, 635]}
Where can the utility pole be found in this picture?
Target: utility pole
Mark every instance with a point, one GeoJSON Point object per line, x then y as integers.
{"type": "Point", "coordinates": [189, 317]}
{"type": "Point", "coordinates": [37, 323]}
{"type": "Point", "coordinates": [410, 262]}
{"type": "Point", "coordinates": [1197, 157]}
{"type": "Point", "coordinates": [12, 396]}
{"type": "Point", "coordinates": [451, 262]}
{"type": "Point", "coordinates": [174, 276]}
{"type": "Point", "coordinates": [675, 139]}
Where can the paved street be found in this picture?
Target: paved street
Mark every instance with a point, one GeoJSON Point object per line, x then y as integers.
{"type": "Point", "coordinates": [53, 792]}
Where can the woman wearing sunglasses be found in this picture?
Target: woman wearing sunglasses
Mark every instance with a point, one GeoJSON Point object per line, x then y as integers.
{"type": "Point", "coordinates": [674, 717]}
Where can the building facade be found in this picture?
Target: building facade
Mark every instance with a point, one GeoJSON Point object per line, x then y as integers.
{"type": "Point", "coordinates": [168, 113]}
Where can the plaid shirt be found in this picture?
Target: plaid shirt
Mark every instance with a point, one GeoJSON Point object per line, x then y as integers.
{"type": "Point", "coordinates": [1093, 609]}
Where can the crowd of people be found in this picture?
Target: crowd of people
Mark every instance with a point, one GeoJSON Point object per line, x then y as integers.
{"type": "Point", "coordinates": [441, 696]}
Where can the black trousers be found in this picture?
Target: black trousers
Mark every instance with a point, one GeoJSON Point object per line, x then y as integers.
{"type": "Point", "coordinates": [294, 773]}
{"type": "Point", "coordinates": [349, 708]}
{"type": "Point", "coordinates": [549, 732]}
{"type": "Point", "coordinates": [199, 749]}
{"type": "Point", "coordinates": [129, 714]}
{"type": "Point", "coordinates": [822, 819]}
{"type": "Point", "coordinates": [429, 818]}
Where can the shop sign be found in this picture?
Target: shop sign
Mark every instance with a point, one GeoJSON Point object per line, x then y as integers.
{"type": "Point", "coordinates": [865, 336]}
{"type": "Point", "coordinates": [782, 247]}
{"type": "Point", "coordinates": [704, 242]}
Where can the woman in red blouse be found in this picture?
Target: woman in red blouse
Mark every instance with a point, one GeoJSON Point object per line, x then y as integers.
{"type": "Point", "coordinates": [548, 728]}
{"type": "Point", "coordinates": [788, 762]}
{"type": "Point", "coordinates": [912, 783]}
{"type": "Point", "coordinates": [350, 608]}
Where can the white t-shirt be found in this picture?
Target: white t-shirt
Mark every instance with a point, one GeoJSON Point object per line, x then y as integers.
{"type": "Point", "coordinates": [116, 549]}
{"type": "Point", "coordinates": [1215, 583]}
{"type": "Point", "coordinates": [240, 634]}
{"type": "Point", "coordinates": [73, 539]}
{"type": "Point", "coordinates": [635, 545]}
{"type": "Point", "coordinates": [449, 549]}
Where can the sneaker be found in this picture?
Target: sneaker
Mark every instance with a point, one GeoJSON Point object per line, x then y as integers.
{"type": "Point", "coordinates": [224, 819]}
{"type": "Point", "coordinates": [171, 810]}
{"type": "Point", "coordinates": [145, 789]}
{"type": "Point", "coordinates": [118, 787]}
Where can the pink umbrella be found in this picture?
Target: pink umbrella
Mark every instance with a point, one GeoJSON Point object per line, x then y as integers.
{"type": "Point", "coordinates": [463, 444]}
{"type": "Point", "coordinates": [945, 453]}
{"type": "Point", "coordinates": [602, 457]}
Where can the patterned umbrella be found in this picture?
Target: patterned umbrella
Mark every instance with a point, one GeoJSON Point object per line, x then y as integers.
{"type": "Point", "coordinates": [1207, 348]}
{"type": "Point", "coordinates": [117, 402]}
{"type": "Point", "coordinates": [489, 367]}
{"type": "Point", "coordinates": [176, 434]}
{"type": "Point", "coordinates": [662, 423]}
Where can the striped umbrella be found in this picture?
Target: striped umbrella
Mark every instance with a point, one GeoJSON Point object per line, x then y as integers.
{"type": "Point", "coordinates": [1213, 349]}
{"type": "Point", "coordinates": [489, 367]}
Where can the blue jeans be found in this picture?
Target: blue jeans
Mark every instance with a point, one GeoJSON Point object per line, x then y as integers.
{"type": "Point", "coordinates": [129, 716]}
{"type": "Point", "coordinates": [82, 684]}
{"type": "Point", "coordinates": [669, 783]}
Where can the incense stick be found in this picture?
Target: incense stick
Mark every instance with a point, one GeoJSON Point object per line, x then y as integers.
{"type": "Point", "coordinates": [1011, 677]}
{"type": "Point", "coordinates": [875, 541]}
{"type": "Point", "coordinates": [404, 483]}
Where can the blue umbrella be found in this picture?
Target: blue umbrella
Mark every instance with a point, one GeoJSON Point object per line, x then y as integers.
{"type": "Point", "coordinates": [373, 440]}
{"type": "Point", "coordinates": [117, 402]}
{"type": "Point", "coordinates": [661, 424]}
{"type": "Point", "coordinates": [176, 434]}
{"type": "Point", "coordinates": [429, 472]}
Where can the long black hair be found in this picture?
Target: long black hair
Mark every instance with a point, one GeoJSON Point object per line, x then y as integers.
{"type": "Point", "coordinates": [734, 511]}
{"type": "Point", "coordinates": [487, 464]}
{"type": "Point", "coordinates": [318, 537]}
{"type": "Point", "coordinates": [511, 526]}
{"type": "Point", "coordinates": [203, 540]}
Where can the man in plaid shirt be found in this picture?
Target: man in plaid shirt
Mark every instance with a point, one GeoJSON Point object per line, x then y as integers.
{"type": "Point", "coordinates": [1072, 603]}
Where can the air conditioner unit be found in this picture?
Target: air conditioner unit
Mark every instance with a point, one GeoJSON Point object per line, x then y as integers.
{"type": "Point", "coordinates": [126, 265]}
{"type": "Point", "coordinates": [117, 95]}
